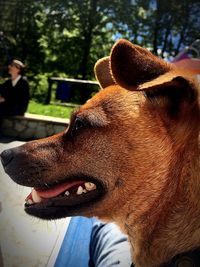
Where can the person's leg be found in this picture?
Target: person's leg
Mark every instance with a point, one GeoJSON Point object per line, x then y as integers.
{"type": "Point", "coordinates": [108, 246]}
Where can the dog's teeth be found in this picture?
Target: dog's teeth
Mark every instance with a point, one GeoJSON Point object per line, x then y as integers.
{"type": "Point", "coordinates": [90, 186]}
{"type": "Point", "coordinates": [29, 201]}
{"type": "Point", "coordinates": [36, 198]}
{"type": "Point", "coordinates": [67, 193]}
{"type": "Point", "coordinates": [79, 190]}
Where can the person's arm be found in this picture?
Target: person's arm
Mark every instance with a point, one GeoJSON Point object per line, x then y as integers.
{"type": "Point", "coordinates": [2, 88]}
{"type": "Point", "coordinates": [2, 99]}
{"type": "Point", "coordinates": [2, 92]}
{"type": "Point", "coordinates": [23, 97]}
{"type": "Point", "coordinates": [191, 64]}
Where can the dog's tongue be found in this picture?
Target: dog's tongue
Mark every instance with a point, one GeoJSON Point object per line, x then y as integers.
{"type": "Point", "coordinates": [62, 190]}
{"type": "Point", "coordinates": [56, 190]}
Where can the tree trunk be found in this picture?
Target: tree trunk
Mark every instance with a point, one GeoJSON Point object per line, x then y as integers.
{"type": "Point", "coordinates": [167, 32]}
{"type": "Point", "coordinates": [184, 28]}
{"type": "Point", "coordinates": [87, 33]}
{"type": "Point", "coordinates": [156, 29]}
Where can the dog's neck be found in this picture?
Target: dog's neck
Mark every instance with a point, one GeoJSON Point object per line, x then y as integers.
{"type": "Point", "coordinates": [172, 225]}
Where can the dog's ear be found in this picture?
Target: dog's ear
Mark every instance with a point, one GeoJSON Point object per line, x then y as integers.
{"type": "Point", "coordinates": [132, 65]}
{"type": "Point", "coordinates": [135, 68]}
{"type": "Point", "coordinates": [103, 73]}
{"type": "Point", "coordinates": [171, 90]}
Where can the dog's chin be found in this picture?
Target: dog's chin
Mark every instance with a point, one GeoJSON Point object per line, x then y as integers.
{"type": "Point", "coordinates": [76, 202]}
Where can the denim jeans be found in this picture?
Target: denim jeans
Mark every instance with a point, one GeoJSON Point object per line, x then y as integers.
{"type": "Point", "coordinates": [108, 246]}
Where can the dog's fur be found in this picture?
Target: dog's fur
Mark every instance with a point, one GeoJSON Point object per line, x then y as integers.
{"type": "Point", "coordinates": [138, 138]}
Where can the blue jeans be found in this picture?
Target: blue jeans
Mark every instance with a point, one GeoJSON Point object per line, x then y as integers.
{"type": "Point", "coordinates": [108, 246]}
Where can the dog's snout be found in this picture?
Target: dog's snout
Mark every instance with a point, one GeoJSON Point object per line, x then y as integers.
{"type": "Point", "coordinates": [6, 157]}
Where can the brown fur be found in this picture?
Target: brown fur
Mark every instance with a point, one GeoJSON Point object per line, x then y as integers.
{"type": "Point", "coordinates": [142, 143]}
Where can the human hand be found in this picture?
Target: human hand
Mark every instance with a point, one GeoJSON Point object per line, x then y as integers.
{"type": "Point", "coordinates": [2, 99]}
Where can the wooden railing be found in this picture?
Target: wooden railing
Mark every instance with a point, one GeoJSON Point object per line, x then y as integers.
{"type": "Point", "coordinates": [74, 84]}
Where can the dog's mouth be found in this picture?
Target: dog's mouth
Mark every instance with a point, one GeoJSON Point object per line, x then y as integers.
{"type": "Point", "coordinates": [65, 199]}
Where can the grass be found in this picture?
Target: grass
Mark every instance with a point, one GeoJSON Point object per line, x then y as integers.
{"type": "Point", "coordinates": [49, 110]}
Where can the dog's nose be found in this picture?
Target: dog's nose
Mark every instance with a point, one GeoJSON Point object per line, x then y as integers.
{"type": "Point", "coordinates": [6, 157]}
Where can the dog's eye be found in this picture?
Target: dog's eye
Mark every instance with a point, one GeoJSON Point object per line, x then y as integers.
{"type": "Point", "coordinates": [77, 125]}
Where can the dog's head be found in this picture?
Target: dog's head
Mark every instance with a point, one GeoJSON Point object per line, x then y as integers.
{"type": "Point", "coordinates": [122, 149]}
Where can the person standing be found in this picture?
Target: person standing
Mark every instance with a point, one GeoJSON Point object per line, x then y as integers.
{"type": "Point", "coordinates": [14, 93]}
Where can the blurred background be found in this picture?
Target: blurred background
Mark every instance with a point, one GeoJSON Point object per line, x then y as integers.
{"type": "Point", "coordinates": [59, 38]}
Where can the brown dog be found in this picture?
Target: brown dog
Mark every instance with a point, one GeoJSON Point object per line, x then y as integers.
{"type": "Point", "coordinates": [129, 155]}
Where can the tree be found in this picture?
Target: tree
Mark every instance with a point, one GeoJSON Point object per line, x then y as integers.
{"type": "Point", "coordinates": [67, 37]}
{"type": "Point", "coordinates": [20, 29]}
{"type": "Point", "coordinates": [170, 25]}
{"type": "Point", "coordinates": [82, 29]}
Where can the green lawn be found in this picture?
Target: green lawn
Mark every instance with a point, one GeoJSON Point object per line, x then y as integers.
{"type": "Point", "coordinates": [49, 110]}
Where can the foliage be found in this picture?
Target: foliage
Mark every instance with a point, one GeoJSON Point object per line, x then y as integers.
{"type": "Point", "coordinates": [56, 37]}
{"type": "Point", "coordinates": [20, 32]}
{"type": "Point", "coordinates": [50, 110]}
{"type": "Point", "coordinates": [38, 86]}
{"type": "Point", "coordinates": [164, 27]}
